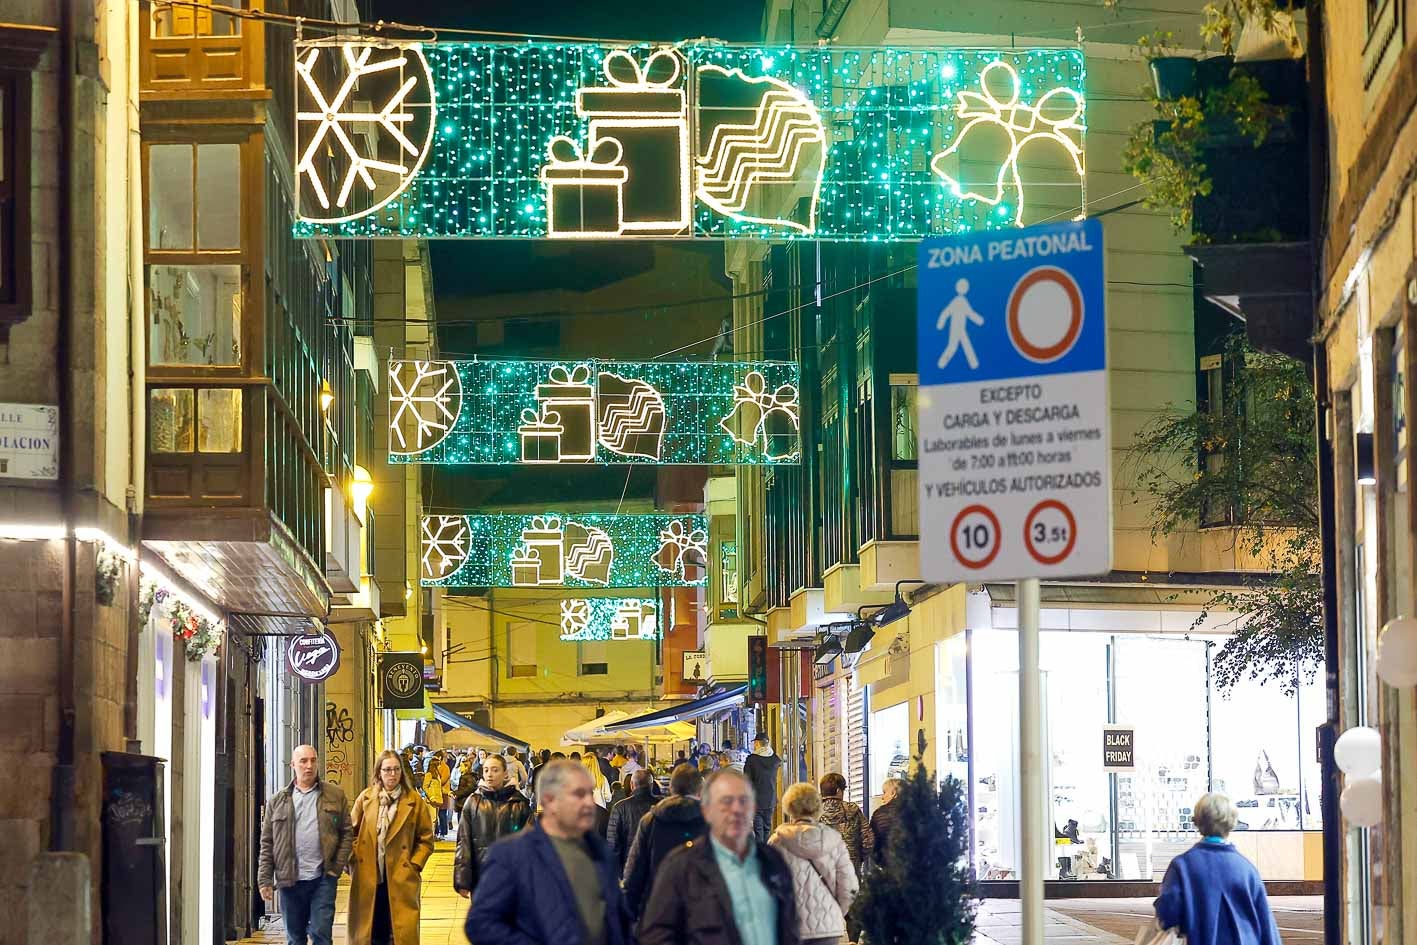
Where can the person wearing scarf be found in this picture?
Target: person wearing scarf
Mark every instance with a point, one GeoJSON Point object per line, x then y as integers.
{"type": "Point", "coordinates": [393, 839]}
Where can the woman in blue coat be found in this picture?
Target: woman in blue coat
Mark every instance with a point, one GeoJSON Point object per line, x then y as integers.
{"type": "Point", "coordinates": [1211, 894]}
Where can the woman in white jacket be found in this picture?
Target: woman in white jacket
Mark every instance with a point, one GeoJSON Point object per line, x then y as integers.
{"type": "Point", "coordinates": [823, 878]}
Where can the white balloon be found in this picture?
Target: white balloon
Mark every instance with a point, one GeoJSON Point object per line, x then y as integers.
{"type": "Point", "coordinates": [1397, 653]}
{"type": "Point", "coordinates": [1362, 801]}
{"type": "Point", "coordinates": [1359, 751]}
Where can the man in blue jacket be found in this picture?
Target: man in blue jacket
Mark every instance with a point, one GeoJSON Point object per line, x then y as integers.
{"type": "Point", "coordinates": [555, 884]}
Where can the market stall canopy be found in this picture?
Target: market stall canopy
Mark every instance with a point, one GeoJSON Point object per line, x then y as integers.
{"type": "Point", "coordinates": [591, 732]}
{"type": "Point", "coordinates": [675, 723]}
{"type": "Point", "coordinates": [463, 732]}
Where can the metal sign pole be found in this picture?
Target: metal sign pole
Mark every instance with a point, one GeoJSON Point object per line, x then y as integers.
{"type": "Point", "coordinates": [1030, 888]}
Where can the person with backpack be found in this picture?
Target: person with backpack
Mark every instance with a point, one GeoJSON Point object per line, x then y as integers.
{"type": "Point", "coordinates": [670, 824]}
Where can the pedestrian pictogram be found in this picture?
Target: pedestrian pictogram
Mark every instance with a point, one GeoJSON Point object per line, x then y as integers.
{"type": "Point", "coordinates": [959, 314]}
{"type": "Point", "coordinates": [1014, 442]}
{"type": "Point", "coordinates": [1050, 531]}
{"type": "Point", "coordinates": [975, 536]}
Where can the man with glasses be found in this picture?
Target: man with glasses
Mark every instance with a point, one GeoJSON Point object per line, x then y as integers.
{"type": "Point", "coordinates": [728, 875]}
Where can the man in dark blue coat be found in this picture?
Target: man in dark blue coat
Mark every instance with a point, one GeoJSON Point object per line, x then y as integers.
{"type": "Point", "coordinates": [555, 884]}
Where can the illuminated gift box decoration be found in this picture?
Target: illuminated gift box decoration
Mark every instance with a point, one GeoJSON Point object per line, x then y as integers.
{"type": "Point", "coordinates": [604, 549]}
{"type": "Point", "coordinates": [570, 394]}
{"type": "Point", "coordinates": [544, 539]}
{"type": "Point", "coordinates": [645, 110]}
{"type": "Point", "coordinates": [541, 436]}
{"type": "Point", "coordinates": [584, 195]}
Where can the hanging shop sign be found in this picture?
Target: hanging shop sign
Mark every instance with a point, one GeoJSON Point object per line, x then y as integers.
{"type": "Point", "coordinates": [1119, 749]}
{"type": "Point", "coordinates": [609, 618]}
{"type": "Point", "coordinates": [602, 412]}
{"type": "Point", "coordinates": [401, 680]}
{"type": "Point", "coordinates": [588, 549]}
{"type": "Point", "coordinates": [709, 140]}
{"type": "Point", "coordinates": [696, 666]}
{"type": "Point", "coordinates": [313, 657]}
{"type": "Point", "coordinates": [1014, 427]}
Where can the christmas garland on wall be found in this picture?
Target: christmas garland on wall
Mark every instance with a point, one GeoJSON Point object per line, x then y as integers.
{"type": "Point", "coordinates": [199, 635]}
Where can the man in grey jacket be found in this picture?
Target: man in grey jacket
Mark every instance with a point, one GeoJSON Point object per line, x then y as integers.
{"type": "Point", "coordinates": [306, 838]}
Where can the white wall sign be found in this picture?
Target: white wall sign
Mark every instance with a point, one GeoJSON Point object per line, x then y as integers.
{"type": "Point", "coordinates": [1015, 458]}
{"type": "Point", "coordinates": [695, 666]}
{"type": "Point", "coordinates": [29, 441]}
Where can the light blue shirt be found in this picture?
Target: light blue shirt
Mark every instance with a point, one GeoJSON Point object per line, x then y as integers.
{"type": "Point", "coordinates": [754, 908]}
{"type": "Point", "coordinates": [309, 860]}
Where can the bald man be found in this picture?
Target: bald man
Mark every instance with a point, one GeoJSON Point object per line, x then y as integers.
{"type": "Point", "coordinates": [306, 838]}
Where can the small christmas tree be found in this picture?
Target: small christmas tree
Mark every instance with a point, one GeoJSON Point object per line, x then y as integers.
{"type": "Point", "coordinates": [924, 894]}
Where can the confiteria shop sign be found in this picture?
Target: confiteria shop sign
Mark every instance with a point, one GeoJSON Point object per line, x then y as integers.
{"type": "Point", "coordinates": [707, 140]}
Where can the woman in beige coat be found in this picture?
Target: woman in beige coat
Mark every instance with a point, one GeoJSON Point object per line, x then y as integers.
{"type": "Point", "coordinates": [393, 838]}
{"type": "Point", "coordinates": [823, 879]}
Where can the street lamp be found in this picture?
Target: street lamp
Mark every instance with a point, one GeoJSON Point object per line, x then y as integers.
{"type": "Point", "coordinates": [327, 396]}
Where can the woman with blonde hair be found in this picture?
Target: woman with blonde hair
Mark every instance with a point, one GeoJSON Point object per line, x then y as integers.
{"type": "Point", "coordinates": [603, 792]}
{"type": "Point", "coordinates": [823, 879]}
{"type": "Point", "coordinates": [393, 839]}
{"type": "Point", "coordinates": [1211, 894]}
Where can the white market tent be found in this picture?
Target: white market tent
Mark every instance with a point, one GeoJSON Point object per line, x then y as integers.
{"type": "Point", "coordinates": [589, 733]}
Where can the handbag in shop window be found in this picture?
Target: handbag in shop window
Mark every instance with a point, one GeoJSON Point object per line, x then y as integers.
{"type": "Point", "coordinates": [1151, 933]}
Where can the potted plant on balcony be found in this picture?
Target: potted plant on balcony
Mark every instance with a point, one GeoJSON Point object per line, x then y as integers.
{"type": "Point", "coordinates": [1169, 155]}
{"type": "Point", "coordinates": [1173, 74]}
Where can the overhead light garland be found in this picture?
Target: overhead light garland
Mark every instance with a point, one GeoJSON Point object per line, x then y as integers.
{"type": "Point", "coordinates": [609, 618]}
{"type": "Point", "coordinates": [588, 549]}
{"type": "Point", "coordinates": [579, 140]}
{"type": "Point", "coordinates": [606, 412]}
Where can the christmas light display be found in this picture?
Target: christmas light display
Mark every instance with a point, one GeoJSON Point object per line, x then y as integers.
{"type": "Point", "coordinates": [609, 618]}
{"type": "Point", "coordinates": [587, 549]}
{"type": "Point", "coordinates": [403, 125]}
{"type": "Point", "coordinates": [706, 140]}
{"type": "Point", "coordinates": [610, 412]}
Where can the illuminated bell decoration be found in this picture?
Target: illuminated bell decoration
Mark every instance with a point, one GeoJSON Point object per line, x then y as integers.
{"type": "Point", "coordinates": [605, 412]}
{"type": "Point", "coordinates": [1362, 801]}
{"type": "Point", "coordinates": [554, 550]}
{"type": "Point", "coordinates": [1397, 653]}
{"type": "Point", "coordinates": [706, 140]}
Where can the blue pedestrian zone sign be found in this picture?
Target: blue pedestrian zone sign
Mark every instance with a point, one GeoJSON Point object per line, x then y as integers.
{"type": "Point", "coordinates": [1015, 464]}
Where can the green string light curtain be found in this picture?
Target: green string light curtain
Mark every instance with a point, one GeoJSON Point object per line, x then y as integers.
{"type": "Point", "coordinates": [516, 412]}
{"type": "Point", "coordinates": [718, 141]}
{"type": "Point", "coordinates": [558, 550]}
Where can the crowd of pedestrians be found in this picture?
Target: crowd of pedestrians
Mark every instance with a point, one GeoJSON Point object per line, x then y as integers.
{"type": "Point", "coordinates": [584, 849]}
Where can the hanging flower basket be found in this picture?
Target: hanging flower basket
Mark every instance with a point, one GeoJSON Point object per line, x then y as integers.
{"type": "Point", "coordinates": [199, 636]}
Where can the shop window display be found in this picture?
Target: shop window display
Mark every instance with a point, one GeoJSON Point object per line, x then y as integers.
{"type": "Point", "coordinates": [1190, 738]}
{"type": "Point", "coordinates": [890, 746]}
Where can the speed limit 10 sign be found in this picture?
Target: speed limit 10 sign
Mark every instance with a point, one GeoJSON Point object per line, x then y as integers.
{"type": "Point", "coordinates": [1015, 454]}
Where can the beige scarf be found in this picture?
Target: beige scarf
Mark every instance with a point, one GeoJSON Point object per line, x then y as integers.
{"type": "Point", "coordinates": [388, 801]}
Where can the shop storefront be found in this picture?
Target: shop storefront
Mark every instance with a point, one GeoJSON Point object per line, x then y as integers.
{"type": "Point", "coordinates": [1181, 736]}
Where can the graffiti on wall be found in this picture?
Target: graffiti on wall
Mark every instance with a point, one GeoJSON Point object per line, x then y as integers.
{"type": "Point", "coordinates": [339, 732]}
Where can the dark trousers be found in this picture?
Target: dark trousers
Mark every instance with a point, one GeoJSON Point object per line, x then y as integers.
{"type": "Point", "coordinates": [383, 933]}
{"type": "Point", "coordinates": [762, 825]}
{"type": "Point", "coordinates": [308, 909]}
{"type": "Point", "coordinates": [442, 821]}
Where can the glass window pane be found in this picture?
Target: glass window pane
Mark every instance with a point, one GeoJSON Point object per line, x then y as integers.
{"type": "Point", "coordinates": [170, 420]}
{"type": "Point", "coordinates": [195, 315]}
{"type": "Point", "coordinates": [219, 196]}
{"type": "Point", "coordinates": [219, 416]}
{"type": "Point", "coordinates": [903, 404]}
{"type": "Point", "coordinates": [170, 196]}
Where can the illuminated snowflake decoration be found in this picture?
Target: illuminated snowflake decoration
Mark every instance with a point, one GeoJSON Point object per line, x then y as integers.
{"type": "Point", "coordinates": [446, 539]}
{"type": "Point", "coordinates": [425, 398]}
{"type": "Point", "coordinates": [365, 116]}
